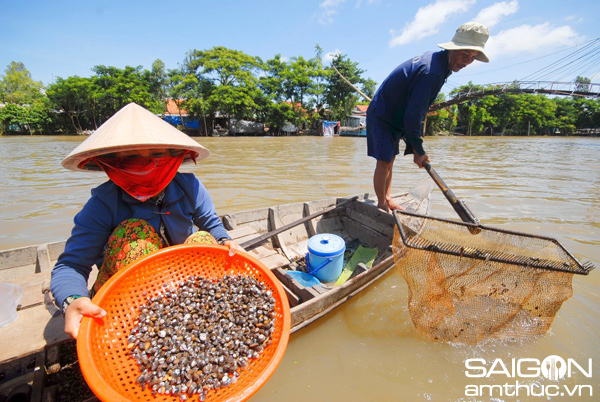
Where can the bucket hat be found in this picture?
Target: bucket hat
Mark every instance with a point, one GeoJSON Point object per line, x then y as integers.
{"type": "Point", "coordinates": [132, 128]}
{"type": "Point", "coordinates": [472, 36]}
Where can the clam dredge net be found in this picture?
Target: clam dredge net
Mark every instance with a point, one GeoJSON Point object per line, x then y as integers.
{"type": "Point", "coordinates": [470, 282]}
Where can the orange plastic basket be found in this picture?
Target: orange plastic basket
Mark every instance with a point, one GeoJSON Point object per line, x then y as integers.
{"type": "Point", "coordinates": [105, 362]}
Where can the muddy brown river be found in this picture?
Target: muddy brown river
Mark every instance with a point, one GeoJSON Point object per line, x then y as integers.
{"type": "Point", "coordinates": [367, 349]}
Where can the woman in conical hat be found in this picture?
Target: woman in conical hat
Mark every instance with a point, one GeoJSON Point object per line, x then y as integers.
{"type": "Point", "coordinates": [144, 206]}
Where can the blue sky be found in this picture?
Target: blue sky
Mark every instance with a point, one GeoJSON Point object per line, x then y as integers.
{"type": "Point", "coordinates": [62, 38]}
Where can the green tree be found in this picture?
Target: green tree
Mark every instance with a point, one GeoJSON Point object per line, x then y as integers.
{"type": "Point", "coordinates": [159, 82]}
{"type": "Point", "coordinates": [565, 118]}
{"type": "Point", "coordinates": [301, 89]}
{"type": "Point", "coordinates": [442, 120]}
{"type": "Point", "coordinates": [115, 88]}
{"type": "Point", "coordinates": [276, 107]}
{"type": "Point", "coordinates": [582, 84]}
{"type": "Point", "coordinates": [233, 88]}
{"type": "Point", "coordinates": [473, 116]}
{"type": "Point", "coordinates": [75, 97]}
{"type": "Point", "coordinates": [588, 112]}
{"type": "Point", "coordinates": [17, 86]}
{"type": "Point", "coordinates": [301, 83]}
{"type": "Point", "coordinates": [368, 88]}
{"type": "Point", "coordinates": [13, 118]}
{"type": "Point", "coordinates": [321, 75]}
{"type": "Point", "coordinates": [26, 119]}
{"type": "Point", "coordinates": [340, 96]}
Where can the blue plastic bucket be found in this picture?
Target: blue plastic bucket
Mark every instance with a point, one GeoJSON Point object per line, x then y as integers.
{"type": "Point", "coordinates": [325, 257]}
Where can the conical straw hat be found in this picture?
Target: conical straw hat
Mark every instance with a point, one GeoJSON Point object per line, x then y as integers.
{"type": "Point", "coordinates": [132, 128]}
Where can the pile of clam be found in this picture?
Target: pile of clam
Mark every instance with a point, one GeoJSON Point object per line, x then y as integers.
{"type": "Point", "coordinates": [199, 335]}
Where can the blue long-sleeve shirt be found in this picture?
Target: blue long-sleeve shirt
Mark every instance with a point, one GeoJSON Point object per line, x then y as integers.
{"type": "Point", "coordinates": [403, 98]}
{"type": "Point", "coordinates": [186, 200]}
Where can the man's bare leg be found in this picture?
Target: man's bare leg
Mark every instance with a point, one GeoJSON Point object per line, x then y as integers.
{"type": "Point", "coordinates": [381, 183]}
{"type": "Point", "coordinates": [391, 204]}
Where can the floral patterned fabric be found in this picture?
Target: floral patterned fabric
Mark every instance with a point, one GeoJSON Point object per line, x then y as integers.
{"type": "Point", "coordinates": [133, 239]}
{"type": "Point", "coordinates": [201, 237]}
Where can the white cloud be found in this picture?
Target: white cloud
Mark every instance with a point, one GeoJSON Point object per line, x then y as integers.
{"type": "Point", "coordinates": [326, 17]}
{"type": "Point", "coordinates": [574, 18]}
{"type": "Point", "coordinates": [329, 10]}
{"type": "Point", "coordinates": [530, 38]}
{"type": "Point", "coordinates": [331, 3]}
{"type": "Point", "coordinates": [428, 19]}
{"type": "Point", "coordinates": [369, 2]}
{"type": "Point", "coordinates": [330, 56]}
{"type": "Point", "coordinates": [491, 15]}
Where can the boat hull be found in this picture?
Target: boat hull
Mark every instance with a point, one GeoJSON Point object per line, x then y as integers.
{"type": "Point", "coordinates": [39, 330]}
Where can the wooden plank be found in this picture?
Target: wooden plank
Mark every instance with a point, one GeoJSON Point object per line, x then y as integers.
{"type": "Point", "coordinates": [43, 263]}
{"type": "Point", "coordinates": [229, 222]}
{"type": "Point", "coordinates": [33, 330]}
{"type": "Point", "coordinates": [293, 300]}
{"type": "Point", "coordinates": [275, 261]}
{"type": "Point", "coordinates": [25, 261]}
{"type": "Point", "coordinates": [311, 226]}
{"type": "Point", "coordinates": [32, 288]}
{"type": "Point", "coordinates": [277, 239]}
{"type": "Point", "coordinates": [242, 232]}
{"type": "Point", "coordinates": [55, 250]}
{"type": "Point", "coordinates": [296, 237]}
{"type": "Point", "coordinates": [305, 293]}
{"type": "Point", "coordinates": [264, 252]}
{"type": "Point", "coordinates": [317, 307]}
{"type": "Point", "coordinates": [282, 276]}
{"type": "Point", "coordinates": [18, 257]}
{"type": "Point", "coordinates": [257, 219]}
{"type": "Point", "coordinates": [285, 281]}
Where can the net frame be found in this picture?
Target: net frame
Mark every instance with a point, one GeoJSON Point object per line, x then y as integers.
{"type": "Point", "coordinates": [500, 245]}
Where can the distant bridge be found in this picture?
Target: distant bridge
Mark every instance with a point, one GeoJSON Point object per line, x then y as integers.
{"type": "Point", "coordinates": [531, 87]}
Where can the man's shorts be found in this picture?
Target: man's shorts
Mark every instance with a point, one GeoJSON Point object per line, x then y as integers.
{"type": "Point", "coordinates": [381, 144]}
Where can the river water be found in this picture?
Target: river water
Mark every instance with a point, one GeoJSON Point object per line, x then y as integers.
{"type": "Point", "coordinates": [367, 349]}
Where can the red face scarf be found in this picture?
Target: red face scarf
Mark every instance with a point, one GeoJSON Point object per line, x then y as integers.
{"type": "Point", "coordinates": [140, 177]}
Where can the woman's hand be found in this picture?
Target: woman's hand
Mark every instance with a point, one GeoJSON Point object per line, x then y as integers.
{"type": "Point", "coordinates": [75, 312]}
{"type": "Point", "coordinates": [233, 247]}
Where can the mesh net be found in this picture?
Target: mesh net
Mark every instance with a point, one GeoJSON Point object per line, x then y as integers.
{"type": "Point", "coordinates": [467, 284]}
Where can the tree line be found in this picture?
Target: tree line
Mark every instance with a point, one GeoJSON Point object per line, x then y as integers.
{"type": "Point", "coordinates": [221, 82]}
{"type": "Point", "coordinates": [516, 113]}
{"type": "Point", "coordinates": [210, 83]}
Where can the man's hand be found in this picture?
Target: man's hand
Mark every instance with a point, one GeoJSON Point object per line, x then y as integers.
{"type": "Point", "coordinates": [420, 159]}
{"type": "Point", "coordinates": [76, 311]}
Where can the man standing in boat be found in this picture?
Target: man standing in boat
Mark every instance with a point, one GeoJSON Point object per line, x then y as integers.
{"type": "Point", "coordinates": [401, 103]}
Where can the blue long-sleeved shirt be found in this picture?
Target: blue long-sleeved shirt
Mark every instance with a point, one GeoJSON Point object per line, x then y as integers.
{"type": "Point", "coordinates": [186, 200]}
{"type": "Point", "coordinates": [402, 100]}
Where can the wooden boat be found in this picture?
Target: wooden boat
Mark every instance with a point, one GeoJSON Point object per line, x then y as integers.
{"type": "Point", "coordinates": [276, 236]}
{"type": "Point", "coordinates": [353, 131]}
